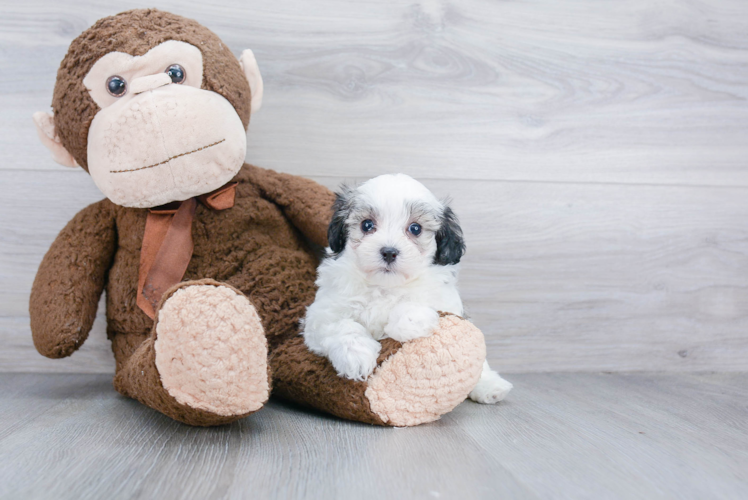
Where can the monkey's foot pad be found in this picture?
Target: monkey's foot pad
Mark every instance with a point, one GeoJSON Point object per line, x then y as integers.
{"type": "Point", "coordinates": [429, 376]}
{"type": "Point", "coordinates": [211, 351]}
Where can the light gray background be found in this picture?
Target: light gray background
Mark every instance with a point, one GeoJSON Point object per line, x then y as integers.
{"type": "Point", "coordinates": [595, 151]}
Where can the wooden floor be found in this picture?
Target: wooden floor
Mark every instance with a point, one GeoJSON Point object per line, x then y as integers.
{"type": "Point", "coordinates": [557, 436]}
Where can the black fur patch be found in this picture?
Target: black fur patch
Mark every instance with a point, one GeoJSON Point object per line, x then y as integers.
{"type": "Point", "coordinates": [450, 245]}
{"type": "Point", "coordinates": [337, 231]}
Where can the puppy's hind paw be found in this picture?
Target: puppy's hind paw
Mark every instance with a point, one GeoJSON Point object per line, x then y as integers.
{"type": "Point", "coordinates": [354, 356]}
{"type": "Point", "coordinates": [491, 389]}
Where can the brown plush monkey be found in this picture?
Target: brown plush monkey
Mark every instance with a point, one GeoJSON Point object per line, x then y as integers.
{"type": "Point", "coordinates": [208, 262]}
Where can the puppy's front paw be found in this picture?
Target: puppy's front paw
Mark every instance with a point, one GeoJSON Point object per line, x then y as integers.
{"type": "Point", "coordinates": [491, 388]}
{"type": "Point", "coordinates": [410, 321]}
{"type": "Point", "coordinates": [354, 356]}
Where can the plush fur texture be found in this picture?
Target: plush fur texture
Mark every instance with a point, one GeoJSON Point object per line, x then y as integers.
{"type": "Point", "coordinates": [135, 32]}
{"type": "Point", "coordinates": [262, 247]}
{"type": "Point", "coordinates": [258, 247]}
{"type": "Point", "coordinates": [171, 143]}
{"type": "Point", "coordinates": [211, 350]}
{"type": "Point", "coordinates": [414, 383]}
{"type": "Point", "coordinates": [303, 377]}
{"type": "Point", "coordinates": [233, 322]}
{"type": "Point", "coordinates": [428, 378]}
{"type": "Point", "coordinates": [157, 142]}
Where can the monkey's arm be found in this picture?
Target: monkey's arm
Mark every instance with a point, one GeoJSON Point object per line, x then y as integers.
{"type": "Point", "coordinates": [71, 277]}
{"type": "Point", "coordinates": [307, 204]}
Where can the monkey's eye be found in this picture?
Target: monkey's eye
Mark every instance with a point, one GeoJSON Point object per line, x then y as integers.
{"type": "Point", "coordinates": [176, 73]}
{"type": "Point", "coordinates": [415, 229]}
{"type": "Point", "coordinates": [367, 226]}
{"type": "Point", "coordinates": [116, 85]}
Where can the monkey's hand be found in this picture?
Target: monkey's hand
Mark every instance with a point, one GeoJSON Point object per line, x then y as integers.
{"type": "Point", "coordinates": [70, 280]}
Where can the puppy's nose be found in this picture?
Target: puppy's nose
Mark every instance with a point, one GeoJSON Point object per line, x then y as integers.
{"type": "Point", "coordinates": [389, 254]}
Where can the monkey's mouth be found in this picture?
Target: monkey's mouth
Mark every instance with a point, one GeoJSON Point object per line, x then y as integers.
{"type": "Point", "coordinates": [168, 159]}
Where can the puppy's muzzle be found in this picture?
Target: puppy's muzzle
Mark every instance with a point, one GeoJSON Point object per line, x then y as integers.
{"type": "Point", "coordinates": [389, 254]}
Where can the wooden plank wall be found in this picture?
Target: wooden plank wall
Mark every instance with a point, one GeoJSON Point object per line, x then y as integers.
{"type": "Point", "coordinates": [595, 151]}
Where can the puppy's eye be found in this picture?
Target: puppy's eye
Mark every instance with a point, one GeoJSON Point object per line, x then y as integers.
{"type": "Point", "coordinates": [415, 229]}
{"type": "Point", "coordinates": [367, 226]}
{"type": "Point", "coordinates": [116, 85]}
{"type": "Point", "coordinates": [176, 73]}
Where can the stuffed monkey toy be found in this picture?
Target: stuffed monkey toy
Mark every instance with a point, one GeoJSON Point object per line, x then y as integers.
{"type": "Point", "coordinates": [208, 262]}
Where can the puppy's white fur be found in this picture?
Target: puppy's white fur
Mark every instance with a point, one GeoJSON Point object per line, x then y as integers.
{"type": "Point", "coordinates": [363, 298]}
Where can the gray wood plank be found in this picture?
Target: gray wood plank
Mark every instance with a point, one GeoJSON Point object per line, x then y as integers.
{"type": "Point", "coordinates": [557, 436]}
{"type": "Point", "coordinates": [623, 436]}
{"type": "Point", "coordinates": [646, 92]}
{"type": "Point", "coordinates": [117, 448]}
{"type": "Point", "coordinates": [560, 277]}
{"type": "Point", "coordinates": [596, 155]}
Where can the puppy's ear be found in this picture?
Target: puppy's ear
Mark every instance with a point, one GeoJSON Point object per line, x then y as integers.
{"type": "Point", "coordinates": [337, 232]}
{"type": "Point", "coordinates": [450, 245]}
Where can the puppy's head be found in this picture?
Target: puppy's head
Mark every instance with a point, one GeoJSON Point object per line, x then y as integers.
{"type": "Point", "coordinates": [394, 229]}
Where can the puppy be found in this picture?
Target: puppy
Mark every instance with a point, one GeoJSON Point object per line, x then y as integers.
{"type": "Point", "coordinates": [391, 265]}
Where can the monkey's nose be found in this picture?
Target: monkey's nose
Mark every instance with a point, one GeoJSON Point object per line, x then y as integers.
{"type": "Point", "coordinates": [150, 82]}
{"type": "Point", "coordinates": [389, 254]}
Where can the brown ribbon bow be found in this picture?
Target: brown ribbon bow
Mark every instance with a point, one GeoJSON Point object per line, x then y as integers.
{"type": "Point", "coordinates": [167, 244]}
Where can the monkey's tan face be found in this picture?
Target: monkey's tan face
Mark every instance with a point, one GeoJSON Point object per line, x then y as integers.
{"type": "Point", "coordinates": [159, 137]}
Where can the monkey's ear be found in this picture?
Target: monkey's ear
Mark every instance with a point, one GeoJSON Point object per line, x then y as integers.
{"type": "Point", "coordinates": [252, 72]}
{"type": "Point", "coordinates": [45, 129]}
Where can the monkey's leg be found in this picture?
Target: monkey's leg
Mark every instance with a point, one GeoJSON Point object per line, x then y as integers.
{"type": "Point", "coordinates": [414, 383]}
{"type": "Point", "coordinates": [205, 362]}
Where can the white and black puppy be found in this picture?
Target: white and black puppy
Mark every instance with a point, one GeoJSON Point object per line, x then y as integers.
{"type": "Point", "coordinates": [391, 265]}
